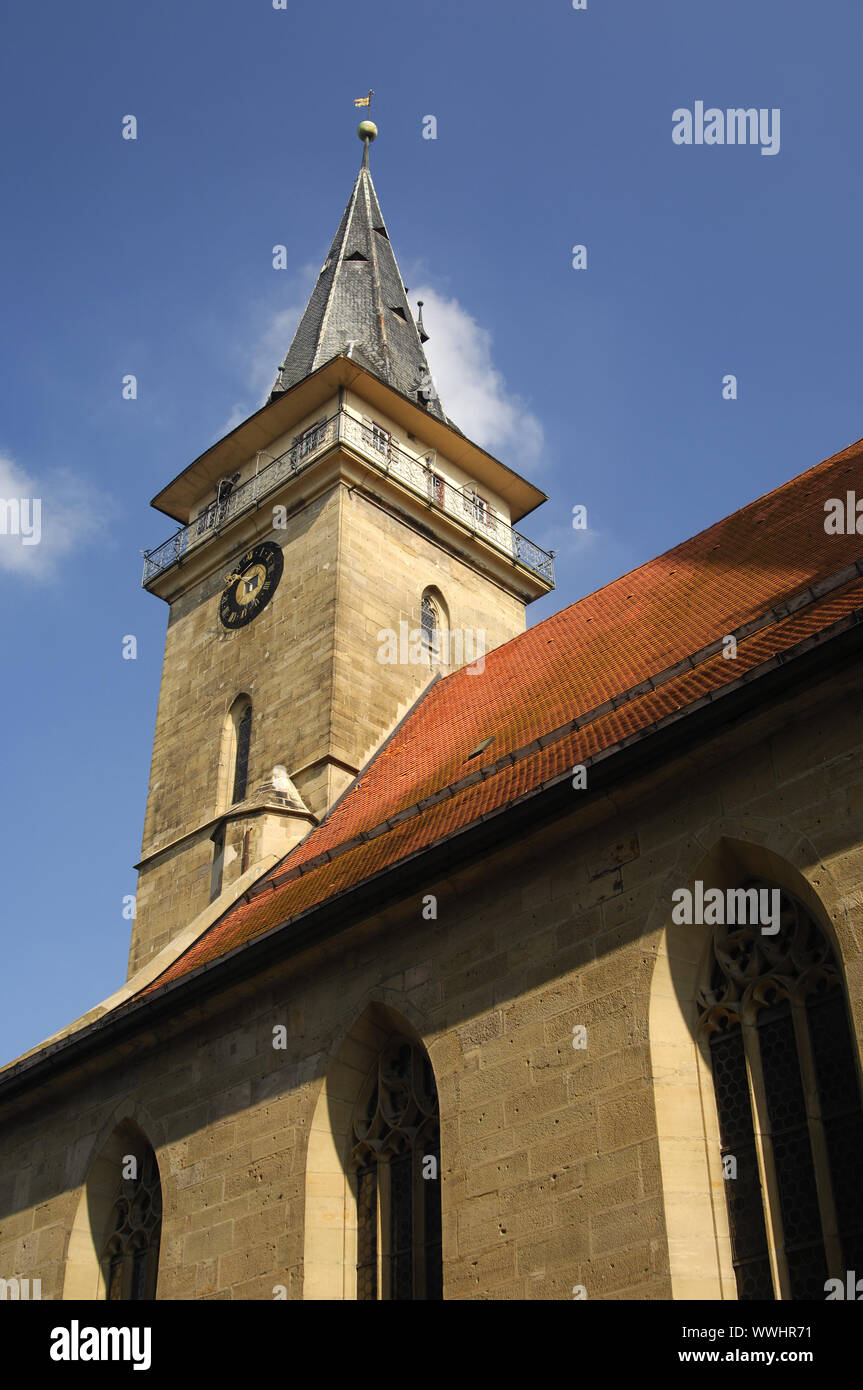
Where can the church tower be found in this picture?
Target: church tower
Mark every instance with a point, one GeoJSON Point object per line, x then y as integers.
{"type": "Point", "coordinates": [337, 551]}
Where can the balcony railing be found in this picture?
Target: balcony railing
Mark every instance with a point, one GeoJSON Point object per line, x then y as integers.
{"type": "Point", "coordinates": [376, 445]}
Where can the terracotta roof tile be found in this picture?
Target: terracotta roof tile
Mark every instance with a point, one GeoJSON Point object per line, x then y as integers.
{"type": "Point", "coordinates": [607, 669]}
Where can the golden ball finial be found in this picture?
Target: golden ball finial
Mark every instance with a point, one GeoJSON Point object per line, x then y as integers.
{"type": "Point", "coordinates": [367, 130]}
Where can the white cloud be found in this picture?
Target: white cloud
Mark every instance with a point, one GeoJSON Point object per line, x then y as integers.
{"type": "Point", "coordinates": [44, 519]}
{"type": "Point", "coordinates": [261, 359]}
{"type": "Point", "coordinates": [473, 393]}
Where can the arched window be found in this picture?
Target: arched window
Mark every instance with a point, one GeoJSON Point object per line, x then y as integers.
{"type": "Point", "coordinates": [234, 748]}
{"type": "Point", "coordinates": [435, 629]}
{"type": "Point", "coordinates": [396, 1161]}
{"type": "Point", "coordinates": [785, 1077]}
{"type": "Point", "coordinates": [431, 644]}
{"type": "Point", "coordinates": [241, 758]}
{"type": "Point", "coordinates": [130, 1255]}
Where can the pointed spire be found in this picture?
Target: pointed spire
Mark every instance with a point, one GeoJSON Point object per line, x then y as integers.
{"type": "Point", "coordinates": [359, 305]}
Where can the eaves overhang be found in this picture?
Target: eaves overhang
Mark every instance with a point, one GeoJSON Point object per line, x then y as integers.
{"type": "Point", "coordinates": [181, 496]}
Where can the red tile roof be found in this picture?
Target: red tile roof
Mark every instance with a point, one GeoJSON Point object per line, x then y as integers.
{"type": "Point", "coordinates": [607, 669]}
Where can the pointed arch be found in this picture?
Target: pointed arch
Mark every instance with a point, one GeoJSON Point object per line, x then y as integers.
{"type": "Point", "coordinates": [234, 750]}
{"type": "Point", "coordinates": [115, 1238]}
{"type": "Point", "coordinates": [774, 1018]}
{"type": "Point", "coordinates": [434, 627]}
{"type": "Point", "coordinates": [352, 1206]}
{"type": "Point", "coordinates": [725, 855]}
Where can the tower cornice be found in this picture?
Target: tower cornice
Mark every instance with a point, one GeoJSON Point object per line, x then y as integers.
{"type": "Point", "coordinates": [342, 459]}
{"type": "Point", "coordinates": [180, 498]}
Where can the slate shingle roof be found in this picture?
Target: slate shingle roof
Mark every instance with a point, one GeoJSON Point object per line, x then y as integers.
{"type": "Point", "coordinates": [360, 299]}
{"type": "Point", "coordinates": [605, 672]}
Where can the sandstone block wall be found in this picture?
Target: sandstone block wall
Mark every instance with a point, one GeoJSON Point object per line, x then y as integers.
{"type": "Point", "coordinates": [321, 699]}
{"type": "Point", "coordinates": [560, 1166]}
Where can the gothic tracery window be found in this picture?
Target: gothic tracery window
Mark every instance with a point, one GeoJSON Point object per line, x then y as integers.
{"type": "Point", "coordinates": [396, 1163]}
{"type": "Point", "coordinates": [788, 1100]}
{"type": "Point", "coordinates": [130, 1258]}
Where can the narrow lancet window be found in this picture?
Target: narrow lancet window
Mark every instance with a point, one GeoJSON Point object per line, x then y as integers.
{"type": "Point", "coordinates": [241, 761]}
{"type": "Point", "coordinates": [430, 631]}
{"type": "Point", "coordinates": [434, 621]}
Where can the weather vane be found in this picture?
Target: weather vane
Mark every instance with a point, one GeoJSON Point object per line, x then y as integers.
{"type": "Point", "coordinates": [366, 130]}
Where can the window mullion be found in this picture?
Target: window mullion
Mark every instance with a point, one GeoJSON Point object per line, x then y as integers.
{"type": "Point", "coordinates": [385, 1254]}
{"type": "Point", "coordinates": [766, 1163]}
{"type": "Point", "coordinates": [419, 1220]}
{"type": "Point", "coordinates": [818, 1140]}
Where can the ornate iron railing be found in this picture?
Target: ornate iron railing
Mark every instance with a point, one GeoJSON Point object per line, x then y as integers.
{"type": "Point", "coordinates": [376, 445]}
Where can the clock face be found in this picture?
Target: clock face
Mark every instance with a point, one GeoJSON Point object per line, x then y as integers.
{"type": "Point", "coordinates": [251, 586]}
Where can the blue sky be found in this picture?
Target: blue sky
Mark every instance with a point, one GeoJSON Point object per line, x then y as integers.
{"type": "Point", "coordinates": [604, 385]}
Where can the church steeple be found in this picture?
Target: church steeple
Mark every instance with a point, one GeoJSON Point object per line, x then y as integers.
{"type": "Point", "coordinates": [346, 515]}
{"type": "Point", "coordinates": [359, 305]}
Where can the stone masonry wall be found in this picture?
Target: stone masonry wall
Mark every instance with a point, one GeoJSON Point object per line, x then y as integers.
{"type": "Point", "coordinates": [552, 1162]}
